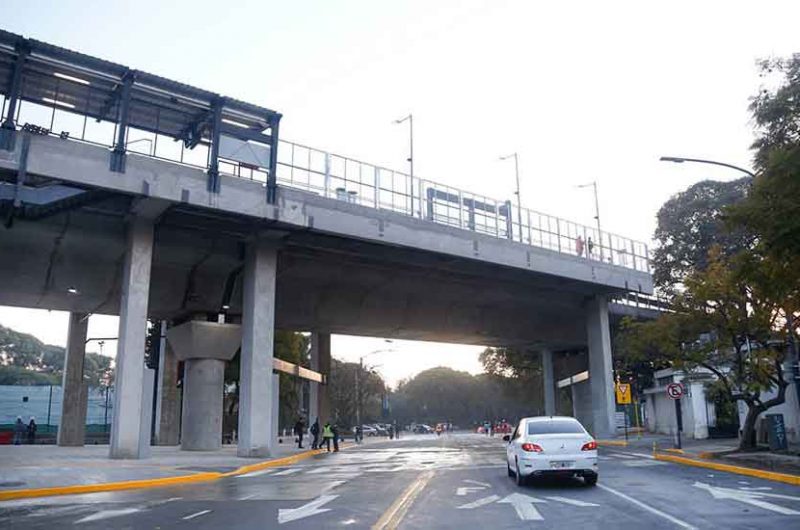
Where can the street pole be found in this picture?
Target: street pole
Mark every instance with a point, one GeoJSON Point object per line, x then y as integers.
{"type": "Point", "coordinates": [410, 120]}
{"type": "Point", "coordinates": [519, 198]}
{"type": "Point", "coordinates": [681, 160]}
{"type": "Point", "coordinates": [358, 394]}
{"type": "Point", "coordinates": [679, 423]}
{"type": "Point", "coordinates": [593, 184]}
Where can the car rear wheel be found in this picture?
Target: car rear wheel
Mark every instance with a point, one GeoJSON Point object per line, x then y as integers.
{"type": "Point", "coordinates": [520, 480]}
{"type": "Point", "coordinates": [510, 473]}
{"type": "Point", "coordinates": [590, 480]}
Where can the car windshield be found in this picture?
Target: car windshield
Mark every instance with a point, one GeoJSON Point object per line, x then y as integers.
{"type": "Point", "coordinates": [555, 427]}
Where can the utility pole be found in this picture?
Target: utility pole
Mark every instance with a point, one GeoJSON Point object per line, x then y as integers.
{"type": "Point", "coordinates": [410, 120]}
{"type": "Point", "coordinates": [519, 199]}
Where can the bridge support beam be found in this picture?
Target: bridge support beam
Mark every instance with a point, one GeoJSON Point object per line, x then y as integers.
{"type": "Point", "coordinates": [72, 428]}
{"type": "Point", "coordinates": [256, 432]}
{"type": "Point", "coordinates": [168, 411]}
{"type": "Point", "coordinates": [318, 394]}
{"type": "Point", "coordinates": [549, 383]}
{"type": "Point", "coordinates": [601, 379]}
{"type": "Point", "coordinates": [128, 395]}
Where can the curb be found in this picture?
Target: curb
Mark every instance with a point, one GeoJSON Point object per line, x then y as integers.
{"type": "Point", "coordinates": [748, 471]}
{"type": "Point", "coordinates": [612, 443]}
{"type": "Point", "coordinates": [77, 489]}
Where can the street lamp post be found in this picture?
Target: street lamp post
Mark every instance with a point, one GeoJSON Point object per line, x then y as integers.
{"type": "Point", "coordinates": [519, 199]}
{"type": "Point", "coordinates": [410, 120]}
{"type": "Point", "coordinates": [681, 160]}
{"type": "Point", "coordinates": [358, 377]}
{"type": "Point", "coordinates": [593, 184]}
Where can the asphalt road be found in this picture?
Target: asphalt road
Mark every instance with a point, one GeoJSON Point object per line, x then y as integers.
{"type": "Point", "coordinates": [424, 482]}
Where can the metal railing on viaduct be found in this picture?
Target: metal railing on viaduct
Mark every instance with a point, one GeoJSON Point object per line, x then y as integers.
{"type": "Point", "coordinates": [49, 90]}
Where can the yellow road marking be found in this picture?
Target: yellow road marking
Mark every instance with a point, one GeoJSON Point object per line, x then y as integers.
{"type": "Point", "coordinates": [392, 517]}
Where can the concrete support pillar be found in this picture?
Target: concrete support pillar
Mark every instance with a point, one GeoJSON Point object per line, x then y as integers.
{"type": "Point", "coordinates": [72, 428]}
{"type": "Point", "coordinates": [323, 397]}
{"type": "Point", "coordinates": [276, 405]}
{"type": "Point", "coordinates": [549, 383]}
{"type": "Point", "coordinates": [128, 384]}
{"type": "Point", "coordinates": [313, 387]}
{"type": "Point", "coordinates": [256, 431]}
{"type": "Point", "coordinates": [601, 379]}
{"type": "Point", "coordinates": [202, 404]}
{"type": "Point", "coordinates": [148, 389]}
{"type": "Point", "coordinates": [168, 409]}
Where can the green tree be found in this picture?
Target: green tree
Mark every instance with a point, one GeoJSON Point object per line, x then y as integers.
{"type": "Point", "coordinates": [772, 210]}
{"type": "Point", "coordinates": [728, 320]}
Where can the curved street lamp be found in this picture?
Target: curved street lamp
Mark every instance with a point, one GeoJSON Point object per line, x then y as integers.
{"type": "Point", "coordinates": [681, 160]}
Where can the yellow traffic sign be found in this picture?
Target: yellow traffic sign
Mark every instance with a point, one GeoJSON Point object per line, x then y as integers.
{"type": "Point", "coordinates": [623, 391]}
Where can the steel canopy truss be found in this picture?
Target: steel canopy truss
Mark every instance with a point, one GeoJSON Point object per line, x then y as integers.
{"type": "Point", "coordinates": [45, 74]}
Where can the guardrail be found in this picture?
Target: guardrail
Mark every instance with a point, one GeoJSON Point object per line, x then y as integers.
{"type": "Point", "coordinates": [346, 179]}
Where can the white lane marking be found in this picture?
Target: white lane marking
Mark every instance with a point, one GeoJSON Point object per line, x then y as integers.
{"type": "Point", "coordinates": [573, 502]}
{"type": "Point", "coordinates": [286, 515]}
{"type": "Point", "coordinates": [750, 497]}
{"type": "Point", "coordinates": [317, 470]}
{"type": "Point", "coordinates": [524, 506]}
{"type": "Point", "coordinates": [107, 514]}
{"type": "Point", "coordinates": [198, 514]}
{"type": "Point", "coordinates": [744, 482]}
{"type": "Point", "coordinates": [650, 509]}
{"type": "Point", "coordinates": [759, 488]}
{"type": "Point", "coordinates": [643, 463]}
{"type": "Point", "coordinates": [477, 483]}
{"type": "Point", "coordinates": [255, 473]}
{"type": "Point", "coordinates": [285, 472]}
{"type": "Point", "coordinates": [620, 455]}
{"type": "Point", "coordinates": [642, 455]}
{"type": "Point", "coordinates": [335, 484]}
{"type": "Point", "coordinates": [480, 502]}
{"type": "Point", "coordinates": [464, 490]}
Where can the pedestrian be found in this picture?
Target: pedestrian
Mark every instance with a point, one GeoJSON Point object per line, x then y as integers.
{"type": "Point", "coordinates": [359, 434]}
{"type": "Point", "coordinates": [32, 431]}
{"type": "Point", "coordinates": [327, 436]}
{"type": "Point", "coordinates": [335, 431]}
{"type": "Point", "coordinates": [315, 434]}
{"type": "Point", "coordinates": [579, 246]}
{"type": "Point", "coordinates": [590, 247]}
{"type": "Point", "coordinates": [299, 429]}
{"type": "Point", "coordinates": [19, 431]}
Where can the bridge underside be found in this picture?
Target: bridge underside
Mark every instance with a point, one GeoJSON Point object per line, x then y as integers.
{"type": "Point", "coordinates": [324, 283]}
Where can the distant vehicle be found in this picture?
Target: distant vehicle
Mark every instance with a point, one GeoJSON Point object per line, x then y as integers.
{"type": "Point", "coordinates": [380, 430]}
{"type": "Point", "coordinates": [551, 445]}
{"type": "Point", "coordinates": [421, 428]}
{"type": "Point", "coordinates": [366, 430]}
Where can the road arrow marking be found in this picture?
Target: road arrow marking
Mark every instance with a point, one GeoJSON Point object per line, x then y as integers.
{"type": "Point", "coordinates": [107, 514]}
{"type": "Point", "coordinates": [289, 471]}
{"type": "Point", "coordinates": [286, 515]}
{"type": "Point", "coordinates": [752, 498]}
{"type": "Point", "coordinates": [759, 488]}
{"type": "Point", "coordinates": [524, 505]}
{"type": "Point", "coordinates": [464, 490]}
{"type": "Point", "coordinates": [573, 502]}
{"type": "Point", "coordinates": [480, 502]}
{"type": "Point", "coordinates": [477, 483]}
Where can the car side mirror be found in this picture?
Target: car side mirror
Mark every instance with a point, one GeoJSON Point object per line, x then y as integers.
{"type": "Point", "coordinates": [507, 438]}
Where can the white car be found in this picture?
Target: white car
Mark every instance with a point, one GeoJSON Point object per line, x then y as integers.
{"type": "Point", "coordinates": [551, 445]}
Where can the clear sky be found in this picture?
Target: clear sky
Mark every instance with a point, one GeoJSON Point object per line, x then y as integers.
{"type": "Point", "coordinates": [581, 90]}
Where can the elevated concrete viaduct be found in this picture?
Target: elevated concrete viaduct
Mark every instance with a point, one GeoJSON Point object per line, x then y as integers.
{"type": "Point", "coordinates": [157, 239]}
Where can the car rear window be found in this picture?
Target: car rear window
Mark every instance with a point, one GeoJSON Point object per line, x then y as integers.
{"type": "Point", "coordinates": [555, 427]}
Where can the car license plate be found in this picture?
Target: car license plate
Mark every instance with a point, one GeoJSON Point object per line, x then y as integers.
{"type": "Point", "coordinates": [561, 464]}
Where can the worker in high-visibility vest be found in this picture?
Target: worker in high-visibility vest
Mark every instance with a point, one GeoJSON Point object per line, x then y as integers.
{"type": "Point", "coordinates": [327, 436]}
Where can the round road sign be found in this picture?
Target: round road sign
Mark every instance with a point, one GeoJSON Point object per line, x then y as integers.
{"type": "Point", "coordinates": [674, 390]}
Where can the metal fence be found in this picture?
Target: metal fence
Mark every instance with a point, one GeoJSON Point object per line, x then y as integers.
{"type": "Point", "coordinates": [346, 179]}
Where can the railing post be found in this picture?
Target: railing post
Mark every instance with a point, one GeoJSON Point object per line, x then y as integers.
{"type": "Point", "coordinates": [8, 128]}
{"type": "Point", "coordinates": [530, 229]}
{"type": "Point", "coordinates": [558, 232]}
{"type": "Point", "coordinates": [460, 210]}
{"type": "Point", "coordinates": [377, 192]}
{"type": "Point", "coordinates": [510, 222]}
{"type": "Point", "coordinates": [118, 154]}
{"type": "Point", "coordinates": [272, 177]}
{"type": "Point", "coordinates": [213, 162]}
{"type": "Point", "coordinates": [327, 173]}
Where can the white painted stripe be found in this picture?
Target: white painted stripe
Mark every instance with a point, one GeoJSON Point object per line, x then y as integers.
{"type": "Point", "coordinates": [255, 473]}
{"type": "Point", "coordinates": [620, 455]}
{"type": "Point", "coordinates": [480, 502]}
{"type": "Point", "coordinates": [650, 509]}
{"type": "Point", "coordinates": [573, 502]}
{"type": "Point", "coordinates": [477, 482]}
{"type": "Point", "coordinates": [107, 514]}
{"type": "Point", "coordinates": [285, 472]}
{"type": "Point", "coordinates": [198, 514]}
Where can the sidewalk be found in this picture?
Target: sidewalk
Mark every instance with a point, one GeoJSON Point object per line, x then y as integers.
{"type": "Point", "coordinates": [722, 450]}
{"type": "Point", "coordinates": [47, 466]}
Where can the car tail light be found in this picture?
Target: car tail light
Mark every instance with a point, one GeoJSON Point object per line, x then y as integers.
{"type": "Point", "coordinates": [532, 448]}
{"type": "Point", "coordinates": [589, 446]}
